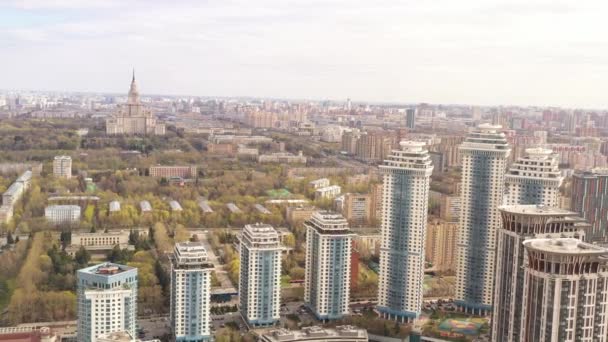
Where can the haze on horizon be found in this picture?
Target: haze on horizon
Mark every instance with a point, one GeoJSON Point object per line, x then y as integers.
{"type": "Point", "coordinates": [487, 52]}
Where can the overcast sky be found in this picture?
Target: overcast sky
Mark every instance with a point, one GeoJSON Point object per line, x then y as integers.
{"type": "Point", "coordinates": [528, 52]}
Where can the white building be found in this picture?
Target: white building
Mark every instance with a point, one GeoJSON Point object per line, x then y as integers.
{"type": "Point", "coordinates": [319, 183]}
{"type": "Point", "coordinates": [565, 291]}
{"type": "Point", "coordinates": [107, 300]}
{"type": "Point", "coordinates": [328, 192]}
{"type": "Point", "coordinates": [341, 333]}
{"type": "Point", "coordinates": [484, 160]}
{"type": "Point", "coordinates": [114, 206]}
{"type": "Point", "coordinates": [327, 277]}
{"type": "Point", "coordinates": [534, 179]}
{"type": "Point", "coordinates": [260, 274]}
{"type": "Point", "coordinates": [100, 242]}
{"type": "Point", "coordinates": [406, 180]}
{"type": "Point", "coordinates": [62, 167]}
{"type": "Point", "coordinates": [191, 293]}
{"type": "Point", "coordinates": [58, 214]}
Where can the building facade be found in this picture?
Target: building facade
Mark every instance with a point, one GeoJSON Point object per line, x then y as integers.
{"type": "Point", "coordinates": [173, 171]}
{"type": "Point", "coordinates": [260, 275]}
{"type": "Point", "coordinates": [58, 214]}
{"type": "Point", "coordinates": [590, 199]}
{"type": "Point", "coordinates": [520, 223]}
{"type": "Point", "coordinates": [190, 293]}
{"type": "Point", "coordinates": [406, 181]}
{"type": "Point", "coordinates": [440, 246]}
{"type": "Point", "coordinates": [484, 161]}
{"type": "Point", "coordinates": [106, 300]}
{"type": "Point", "coordinates": [328, 262]}
{"type": "Point", "coordinates": [565, 287]}
{"type": "Point", "coordinates": [62, 167]}
{"type": "Point", "coordinates": [133, 118]}
{"type": "Point", "coordinates": [357, 208]}
{"type": "Point", "coordinates": [534, 179]}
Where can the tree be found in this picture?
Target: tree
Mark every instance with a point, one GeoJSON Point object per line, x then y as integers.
{"type": "Point", "coordinates": [82, 256]}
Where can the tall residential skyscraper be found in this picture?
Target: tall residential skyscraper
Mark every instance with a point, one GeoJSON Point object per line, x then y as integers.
{"type": "Point", "coordinates": [534, 179]}
{"type": "Point", "coordinates": [410, 118]}
{"type": "Point", "coordinates": [328, 253]}
{"type": "Point", "coordinates": [590, 199]}
{"type": "Point", "coordinates": [519, 223]}
{"type": "Point", "coordinates": [565, 291]}
{"type": "Point", "coordinates": [406, 180]}
{"type": "Point", "coordinates": [260, 274]}
{"type": "Point", "coordinates": [190, 293]}
{"type": "Point", "coordinates": [484, 161]}
{"type": "Point", "coordinates": [62, 167]}
{"type": "Point", "coordinates": [107, 300]}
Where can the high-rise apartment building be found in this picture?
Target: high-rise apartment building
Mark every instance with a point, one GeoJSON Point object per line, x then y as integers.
{"type": "Point", "coordinates": [520, 223]}
{"type": "Point", "coordinates": [534, 179]}
{"type": "Point", "coordinates": [590, 199]}
{"type": "Point", "coordinates": [565, 291]}
{"type": "Point", "coordinates": [106, 300]}
{"type": "Point", "coordinates": [406, 181]}
{"type": "Point", "coordinates": [484, 162]}
{"type": "Point", "coordinates": [440, 245]}
{"type": "Point", "coordinates": [62, 167]}
{"type": "Point", "coordinates": [328, 262]}
{"type": "Point", "coordinates": [190, 293]}
{"type": "Point", "coordinates": [133, 117]}
{"type": "Point", "coordinates": [410, 118]}
{"type": "Point", "coordinates": [260, 274]}
{"type": "Point", "coordinates": [357, 208]}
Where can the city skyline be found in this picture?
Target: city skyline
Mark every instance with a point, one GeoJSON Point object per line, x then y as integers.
{"type": "Point", "coordinates": [504, 53]}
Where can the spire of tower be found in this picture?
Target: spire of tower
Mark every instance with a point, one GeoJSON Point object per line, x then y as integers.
{"type": "Point", "coordinates": [133, 91]}
{"type": "Point", "coordinates": [133, 80]}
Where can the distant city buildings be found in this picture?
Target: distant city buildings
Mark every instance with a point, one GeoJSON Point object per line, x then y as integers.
{"type": "Point", "coordinates": [328, 264]}
{"type": "Point", "coordinates": [260, 275]}
{"type": "Point", "coordinates": [106, 300]}
{"type": "Point", "coordinates": [590, 198]}
{"type": "Point", "coordinates": [62, 214]}
{"type": "Point", "coordinates": [62, 167]}
{"type": "Point", "coordinates": [190, 293]}
{"type": "Point", "coordinates": [133, 118]}
{"type": "Point", "coordinates": [534, 179]}
{"type": "Point", "coordinates": [406, 180]}
{"type": "Point", "coordinates": [565, 286]}
{"type": "Point", "coordinates": [484, 161]}
{"type": "Point", "coordinates": [521, 223]}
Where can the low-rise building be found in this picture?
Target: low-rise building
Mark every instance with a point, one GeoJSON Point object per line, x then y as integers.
{"type": "Point", "coordinates": [98, 242]}
{"type": "Point", "coordinates": [58, 214]}
{"type": "Point", "coordinates": [185, 172]}
{"type": "Point", "coordinates": [145, 207]}
{"type": "Point", "coordinates": [299, 214]}
{"type": "Point", "coordinates": [114, 206]}
{"type": "Point", "coordinates": [319, 183]}
{"type": "Point", "coordinates": [175, 206]}
{"type": "Point", "coordinates": [344, 333]}
{"type": "Point", "coordinates": [328, 192]}
{"type": "Point", "coordinates": [225, 149]}
{"type": "Point", "coordinates": [282, 157]}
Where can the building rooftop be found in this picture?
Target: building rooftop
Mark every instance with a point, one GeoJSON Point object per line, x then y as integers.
{"type": "Point", "coordinates": [317, 333]}
{"type": "Point", "coordinates": [106, 269]}
{"type": "Point", "coordinates": [191, 254]}
{"type": "Point", "coordinates": [565, 246]}
{"type": "Point", "coordinates": [328, 222]}
{"type": "Point", "coordinates": [534, 209]}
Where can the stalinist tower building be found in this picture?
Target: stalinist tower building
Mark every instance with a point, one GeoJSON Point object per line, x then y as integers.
{"type": "Point", "coordinates": [133, 117]}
